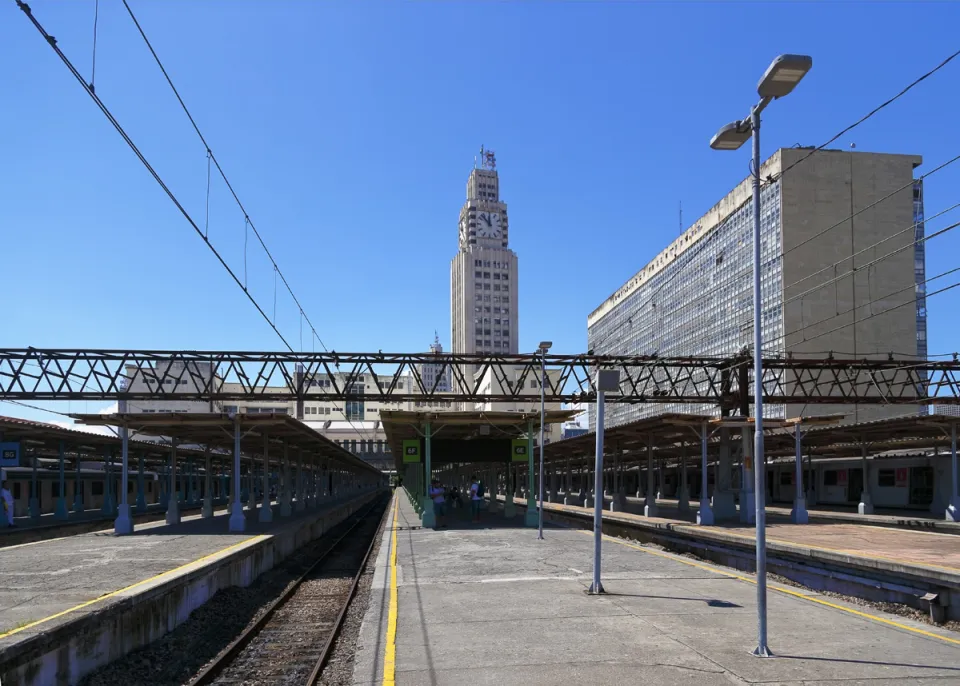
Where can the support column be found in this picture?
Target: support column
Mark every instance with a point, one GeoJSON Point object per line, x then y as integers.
{"type": "Point", "coordinates": [427, 518]}
{"type": "Point", "coordinates": [78, 488]}
{"type": "Point", "coordinates": [530, 518]}
{"type": "Point", "coordinates": [798, 513]}
{"type": "Point", "coordinates": [651, 509]}
{"type": "Point", "coordinates": [238, 522]}
{"type": "Point", "coordinates": [724, 502]}
{"type": "Point", "coordinates": [108, 484]}
{"type": "Point", "coordinates": [509, 507]}
{"type": "Point", "coordinates": [683, 497]}
{"type": "Point", "coordinates": [615, 504]}
{"type": "Point", "coordinates": [266, 509]}
{"type": "Point", "coordinates": [748, 500]}
{"type": "Point", "coordinates": [953, 509]}
{"type": "Point", "coordinates": [285, 495]}
{"type": "Point", "coordinates": [207, 510]}
{"type": "Point", "coordinates": [173, 507]}
{"type": "Point", "coordinates": [61, 512]}
{"type": "Point", "coordinates": [866, 502]}
{"type": "Point", "coordinates": [591, 497]}
{"type": "Point", "coordinates": [492, 488]}
{"type": "Point", "coordinates": [124, 523]}
{"type": "Point", "coordinates": [34, 506]}
{"type": "Point", "coordinates": [141, 493]}
{"type": "Point", "coordinates": [301, 504]}
{"type": "Point", "coordinates": [705, 515]}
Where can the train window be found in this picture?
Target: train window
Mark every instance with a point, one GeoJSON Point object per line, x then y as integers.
{"type": "Point", "coordinates": [886, 478]}
{"type": "Point", "coordinates": [786, 478]}
{"type": "Point", "coordinates": [830, 477]}
{"type": "Point", "coordinates": [54, 489]}
{"type": "Point", "coordinates": [96, 487]}
{"type": "Point", "coordinates": [16, 491]}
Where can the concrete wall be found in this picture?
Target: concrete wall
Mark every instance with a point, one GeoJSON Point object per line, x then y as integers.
{"type": "Point", "coordinates": [823, 192]}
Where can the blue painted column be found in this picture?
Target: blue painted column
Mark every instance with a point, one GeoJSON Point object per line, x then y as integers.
{"type": "Point", "coordinates": [78, 488]}
{"type": "Point", "coordinates": [163, 483]}
{"type": "Point", "coordinates": [61, 512]}
{"type": "Point", "coordinates": [141, 494]}
{"type": "Point", "coordinates": [207, 510]}
{"type": "Point", "coordinates": [123, 524]}
{"type": "Point", "coordinates": [173, 506]}
{"type": "Point", "coordinates": [107, 505]}
{"type": "Point", "coordinates": [238, 521]}
{"type": "Point", "coordinates": [34, 492]}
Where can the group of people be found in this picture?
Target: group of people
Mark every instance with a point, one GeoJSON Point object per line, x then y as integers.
{"type": "Point", "coordinates": [445, 496]}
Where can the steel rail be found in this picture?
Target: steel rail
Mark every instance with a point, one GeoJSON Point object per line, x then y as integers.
{"type": "Point", "coordinates": [228, 654]}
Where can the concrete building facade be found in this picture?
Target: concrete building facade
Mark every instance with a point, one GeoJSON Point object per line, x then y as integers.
{"type": "Point", "coordinates": [842, 272]}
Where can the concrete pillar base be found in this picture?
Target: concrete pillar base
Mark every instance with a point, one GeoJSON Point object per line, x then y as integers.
{"type": "Point", "coordinates": [615, 505]}
{"type": "Point", "coordinates": [798, 513]}
{"type": "Point", "coordinates": [141, 503]}
{"type": "Point", "coordinates": [953, 510]}
{"type": "Point", "coordinates": [683, 500]}
{"type": "Point", "coordinates": [238, 521]}
{"type": "Point", "coordinates": [866, 506]}
{"type": "Point", "coordinates": [61, 512]}
{"type": "Point", "coordinates": [748, 507]}
{"type": "Point", "coordinates": [724, 505]}
{"type": "Point", "coordinates": [651, 509]}
{"type": "Point", "coordinates": [588, 501]}
{"type": "Point", "coordinates": [78, 505]}
{"type": "Point", "coordinates": [531, 518]}
{"type": "Point", "coordinates": [173, 512]}
{"type": "Point", "coordinates": [266, 512]}
{"type": "Point", "coordinates": [705, 514]}
{"type": "Point", "coordinates": [207, 510]}
{"type": "Point", "coordinates": [123, 525]}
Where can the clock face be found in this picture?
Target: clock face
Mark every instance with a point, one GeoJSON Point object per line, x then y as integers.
{"type": "Point", "coordinates": [488, 225]}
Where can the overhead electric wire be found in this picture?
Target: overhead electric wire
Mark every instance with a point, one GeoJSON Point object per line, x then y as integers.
{"type": "Point", "coordinates": [106, 111]}
{"type": "Point", "coordinates": [872, 112]}
{"type": "Point", "coordinates": [52, 42]}
{"type": "Point", "coordinates": [853, 309]}
{"type": "Point", "coordinates": [223, 175]}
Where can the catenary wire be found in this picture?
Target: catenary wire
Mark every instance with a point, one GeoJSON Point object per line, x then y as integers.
{"type": "Point", "coordinates": [873, 111]}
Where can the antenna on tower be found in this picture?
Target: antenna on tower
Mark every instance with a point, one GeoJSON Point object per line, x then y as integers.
{"type": "Point", "coordinates": [681, 216]}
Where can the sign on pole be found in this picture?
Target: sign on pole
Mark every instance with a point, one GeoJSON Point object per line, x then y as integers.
{"type": "Point", "coordinates": [411, 450]}
{"type": "Point", "coordinates": [519, 450]}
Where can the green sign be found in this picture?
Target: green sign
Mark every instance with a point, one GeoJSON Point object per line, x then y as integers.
{"type": "Point", "coordinates": [518, 452]}
{"type": "Point", "coordinates": [411, 450]}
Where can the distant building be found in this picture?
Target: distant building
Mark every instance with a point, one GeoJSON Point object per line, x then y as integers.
{"type": "Point", "coordinates": [820, 230]}
{"type": "Point", "coordinates": [436, 377]}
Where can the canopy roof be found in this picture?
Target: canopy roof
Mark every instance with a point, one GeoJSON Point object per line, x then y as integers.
{"type": "Point", "coordinates": [216, 431]}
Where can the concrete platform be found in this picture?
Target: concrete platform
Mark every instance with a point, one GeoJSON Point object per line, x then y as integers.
{"type": "Point", "coordinates": [72, 604]}
{"type": "Point", "coordinates": [489, 604]}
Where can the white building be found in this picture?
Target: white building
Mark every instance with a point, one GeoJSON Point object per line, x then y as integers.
{"type": "Point", "coordinates": [483, 275]}
{"type": "Point", "coordinates": [436, 377]}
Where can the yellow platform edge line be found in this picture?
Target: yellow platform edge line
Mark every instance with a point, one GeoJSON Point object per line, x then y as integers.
{"type": "Point", "coordinates": [170, 572]}
{"type": "Point", "coordinates": [781, 589]}
{"type": "Point", "coordinates": [390, 649]}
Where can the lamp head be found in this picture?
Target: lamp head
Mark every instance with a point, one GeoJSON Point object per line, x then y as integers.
{"type": "Point", "coordinates": [783, 75]}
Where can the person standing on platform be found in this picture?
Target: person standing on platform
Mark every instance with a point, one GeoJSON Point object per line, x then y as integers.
{"type": "Point", "coordinates": [439, 498]}
{"type": "Point", "coordinates": [7, 498]}
{"type": "Point", "coordinates": [476, 497]}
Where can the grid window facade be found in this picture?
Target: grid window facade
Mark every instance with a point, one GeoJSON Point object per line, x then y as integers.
{"type": "Point", "coordinates": [701, 303]}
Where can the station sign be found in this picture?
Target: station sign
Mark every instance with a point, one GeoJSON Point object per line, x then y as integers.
{"type": "Point", "coordinates": [9, 454]}
{"type": "Point", "coordinates": [518, 450]}
{"type": "Point", "coordinates": [411, 451]}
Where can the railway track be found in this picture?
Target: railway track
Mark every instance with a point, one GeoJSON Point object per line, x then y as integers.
{"type": "Point", "coordinates": [292, 640]}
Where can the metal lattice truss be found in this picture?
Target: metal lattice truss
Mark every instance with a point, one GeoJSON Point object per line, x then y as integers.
{"type": "Point", "coordinates": [34, 374]}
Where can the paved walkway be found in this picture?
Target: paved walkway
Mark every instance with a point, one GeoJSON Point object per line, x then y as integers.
{"type": "Point", "coordinates": [902, 545]}
{"type": "Point", "coordinates": [489, 604]}
{"type": "Point", "coordinates": [41, 580]}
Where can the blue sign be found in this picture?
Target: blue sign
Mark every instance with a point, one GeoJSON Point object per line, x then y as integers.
{"type": "Point", "coordinates": [9, 454]}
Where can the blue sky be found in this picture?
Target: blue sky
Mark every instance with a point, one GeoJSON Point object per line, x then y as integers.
{"type": "Point", "coordinates": [349, 130]}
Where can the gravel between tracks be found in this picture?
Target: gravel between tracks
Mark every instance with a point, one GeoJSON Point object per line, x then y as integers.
{"type": "Point", "coordinates": [176, 657]}
{"type": "Point", "coordinates": [339, 669]}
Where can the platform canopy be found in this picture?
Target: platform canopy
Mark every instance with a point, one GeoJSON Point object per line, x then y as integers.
{"type": "Point", "coordinates": [216, 431]}
{"type": "Point", "coordinates": [44, 439]}
{"type": "Point", "coordinates": [469, 436]}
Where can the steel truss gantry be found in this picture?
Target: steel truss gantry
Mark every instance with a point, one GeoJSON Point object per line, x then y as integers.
{"type": "Point", "coordinates": [213, 376]}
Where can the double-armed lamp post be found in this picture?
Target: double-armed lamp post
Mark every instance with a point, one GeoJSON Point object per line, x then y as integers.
{"type": "Point", "coordinates": [781, 77]}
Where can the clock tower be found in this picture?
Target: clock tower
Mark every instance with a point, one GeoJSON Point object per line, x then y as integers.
{"type": "Point", "coordinates": [483, 275]}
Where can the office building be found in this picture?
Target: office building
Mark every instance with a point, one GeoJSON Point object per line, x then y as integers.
{"type": "Point", "coordinates": [841, 272]}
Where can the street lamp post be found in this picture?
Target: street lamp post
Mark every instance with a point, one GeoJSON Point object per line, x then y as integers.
{"type": "Point", "coordinates": [543, 348]}
{"type": "Point", "coordinates": [781, 77]}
